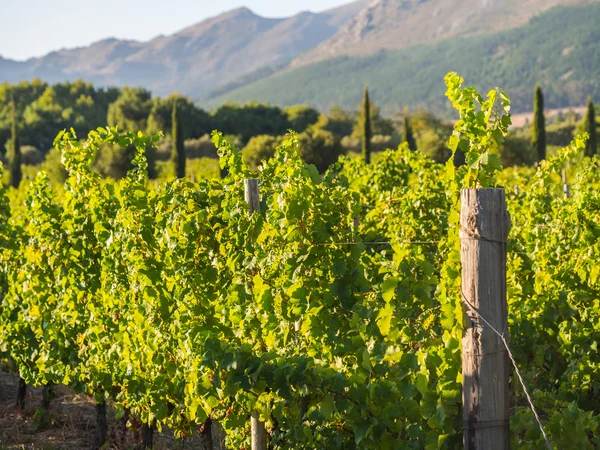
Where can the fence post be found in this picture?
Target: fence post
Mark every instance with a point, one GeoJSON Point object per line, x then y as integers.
{"type": "Point", "coordinates": [251, 195]}
{"type": "Point", "coordinates": [259, 432]}
{"type": "Point", "coordinates": [566, 187]}
{"type": "Point", "coordinates": [484, 227]}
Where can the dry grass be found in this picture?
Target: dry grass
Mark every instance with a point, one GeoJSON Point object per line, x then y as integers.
{"type": "Point", "coordinates": [521, 120]}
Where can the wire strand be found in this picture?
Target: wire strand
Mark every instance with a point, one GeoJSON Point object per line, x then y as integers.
{"type": "Point", "coordinates": [378, 243]}
{"type": "Point", "coordinates": [510, 355]}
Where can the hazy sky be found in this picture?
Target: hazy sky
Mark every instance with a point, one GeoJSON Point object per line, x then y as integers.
{"type": "Point", "coordinates": [35, 27]}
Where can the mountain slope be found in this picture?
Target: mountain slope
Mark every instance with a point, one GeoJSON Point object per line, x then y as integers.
{"type": "Point", "coordinates": [342, 14]}
{"type": "Point", "coordinates": [560, 49]}
{"type": "Point", "coordinates": [192, 61]}
{"type": "Point", "coordinates": [396, 24]}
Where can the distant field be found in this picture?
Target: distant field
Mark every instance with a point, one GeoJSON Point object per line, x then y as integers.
{"type": "Point", "coordinates": [522, 119]}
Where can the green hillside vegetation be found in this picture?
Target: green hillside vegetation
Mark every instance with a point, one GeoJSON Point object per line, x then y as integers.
{"type": "Point", "coordinates": [559, 49]}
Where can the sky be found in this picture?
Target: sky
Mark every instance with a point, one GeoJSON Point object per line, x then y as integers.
{"type": "Point", "coordinates": [35, 27]}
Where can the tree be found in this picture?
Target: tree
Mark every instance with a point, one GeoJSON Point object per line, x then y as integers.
{"type": "Point", "coordinates": [53, 166]}
{"type": "Point", "coordinates": [114, 161]}
{"type": "Point", "coordinates": [195, 122]}
{"type": "Point", "coordinates": [251, 119]}
{"type": "Point", "coordinates": [301, 117]}
{"type": "Point", "coordinates": [407, 132]}
{"type": "Point", "coordinates": [14, 156]}
{"type": "Point", "coordinates": [337, 121]}
{"type": "Point", "coordinates": [178, 150]}
{"type": "Point", "coordinates": [260, 148]}
{"type": "Point", "coordinates": [367, 131]}
{"type": "Point", "coordinates": [131, 110]}
{"type": "Point", "coordinates": [379, 124]}
{"type": "Point", "coordinates": [319, 147]}
{"type": "Point", "coordinates": [44, 118]}
{"type": "Point", "coordinates": [517, 151]}
{"type": "Point", "coordinates": [431, 135]}
{"type": "Point", "coordinates": [538, 138]}
{"type": "Point", "coordinates": [591, 147]}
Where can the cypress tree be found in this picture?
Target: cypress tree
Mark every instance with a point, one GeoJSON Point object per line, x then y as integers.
{"type": "Point", "coordinates": [407, 133]}
{"type": "Point", "coordinates": [538, 138]}
{"type": "Point", "coordinates": [14, 157]}
{"type": "Point", "coordinates": [367, 130]}
{"type": "Point", "coordinates": [591, 147]}
{"type": "Point", "coordinates": [178, 151]}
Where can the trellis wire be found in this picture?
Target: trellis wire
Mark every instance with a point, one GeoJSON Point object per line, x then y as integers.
{"type": "Point", "coordinates": [510, 355]}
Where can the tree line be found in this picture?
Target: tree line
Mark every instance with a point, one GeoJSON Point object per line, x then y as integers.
{"type": "Point", "coordinates": [42, 110]}
{"type": "Point", "coordinates": [32, 113]}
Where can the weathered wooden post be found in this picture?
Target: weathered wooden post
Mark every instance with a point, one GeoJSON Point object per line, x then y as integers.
{"type": "Point", "coordinates": [259, 432]}
{"type": "Point", "coordinates": [251, 195]}
{"type": "Point", "coordinates": [484, 227]}
{"type": "Point", "coordinates": [566, 187]}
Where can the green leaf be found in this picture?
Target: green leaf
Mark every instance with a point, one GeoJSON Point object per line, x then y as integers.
{"type": "Point", "coordinates": [327, 406]}
{"type": "Point", "coordinates": [421, 383]}
{"type": "Point", "coordinates": [388, 288]}
{"type": "Point", "coordinates": [384, 319]}
{"type": "Point", "coordinates": [360, 430]}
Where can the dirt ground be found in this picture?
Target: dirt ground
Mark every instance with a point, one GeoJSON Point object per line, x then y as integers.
{"type": "Point", "coordinates": [70, 425]}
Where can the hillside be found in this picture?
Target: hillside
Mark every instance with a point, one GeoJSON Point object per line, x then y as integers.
{"type": "Point", "coordinates": [396, 24]}
{"type": "Point", "coordinates": [560, 49]}
{"type": "Point", "coordinates": [223, 54]}
{"type": "Point", "coordinates": [192, 61]}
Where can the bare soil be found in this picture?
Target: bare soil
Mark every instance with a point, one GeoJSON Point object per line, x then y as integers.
{"type": "Point", "coordinates": [71, 423]}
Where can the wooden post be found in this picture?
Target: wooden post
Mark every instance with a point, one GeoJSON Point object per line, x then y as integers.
{"type": "Point", "coordinates": [252, 195]}
{"type": "Point", "coordinates": [566, 187]}
{"type": "Point", "coordinates": [259, 432]}
{"type": "Point", "coordinates": [484, 227]}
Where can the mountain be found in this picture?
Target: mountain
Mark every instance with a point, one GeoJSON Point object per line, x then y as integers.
{"type": "Point", "coordinates": [559, 48]}
{"type": "Point", "coordinates": [192, 61]}
{"type": "Point", "coordinates": [396, 24]}
{"type": "Point", "coordinates": [342, 14]}
{"type": "Point", "coordinates": [401, 48]}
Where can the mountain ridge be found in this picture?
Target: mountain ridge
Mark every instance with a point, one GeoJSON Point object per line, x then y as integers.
{"type": "Point", "coordinates": [209, 62]}
{"type": "Point", "coordinates": [396, 24]}
{"type": "Point", "coordinates": [559, 48]}
{"type": "Point", "coordinates": [192, 61]}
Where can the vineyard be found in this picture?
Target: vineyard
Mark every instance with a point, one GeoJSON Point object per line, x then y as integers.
{"type": "Point", "coordinates": [328, 311]}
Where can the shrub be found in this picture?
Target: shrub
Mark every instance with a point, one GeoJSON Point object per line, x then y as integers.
{"type": "Point", "coordinates": [200, 148]}
{"type": "Point", "coordinates": [433, 144]}
{"type": "Point", "coordinates": [301, 117]}
{"type": "Point", "coordinates": [517, 151]}
{"type": "Point", "coordinates": [31, 155]}
{"type": "Point", "coordinates": [319, 147]}
{"type": "Point", "coordinates": [260, 148]}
